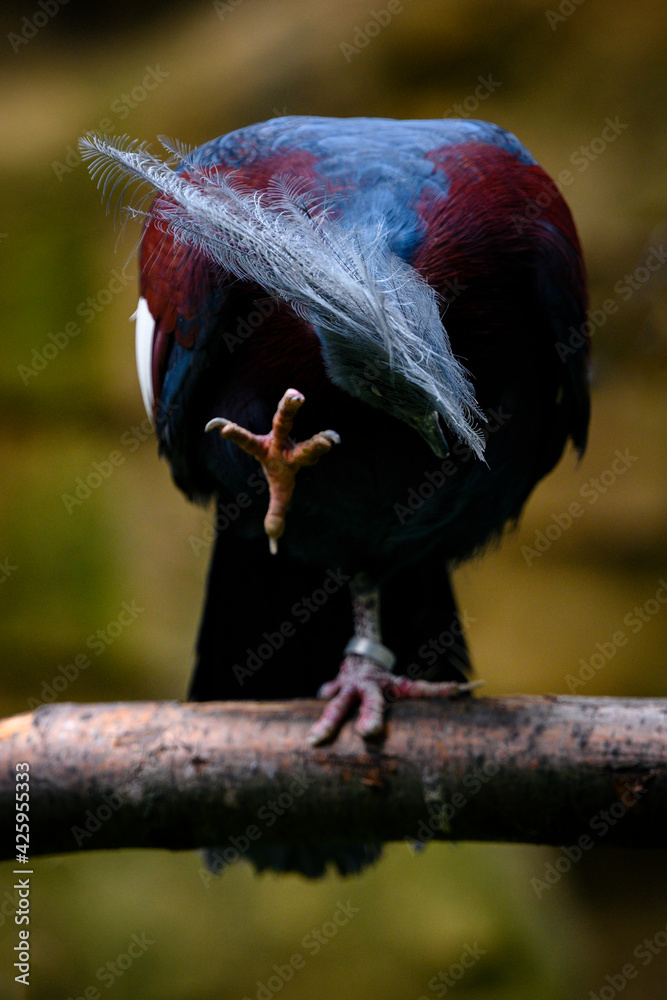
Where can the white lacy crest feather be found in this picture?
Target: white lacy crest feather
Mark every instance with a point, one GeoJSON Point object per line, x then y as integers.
{"type": "Point", "coordinates": [367, 305]}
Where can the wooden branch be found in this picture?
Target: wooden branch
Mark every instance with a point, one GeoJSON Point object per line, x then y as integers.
{"type": "Point", "coordinates": [165, 774]}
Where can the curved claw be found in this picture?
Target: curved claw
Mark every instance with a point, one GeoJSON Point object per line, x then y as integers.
{"type": "Point", "coordinates": [333, 436]}
{"type": "Point", "coordinates": [216, 422]}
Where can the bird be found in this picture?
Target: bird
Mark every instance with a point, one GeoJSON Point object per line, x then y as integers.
{"type": "Point", "coordinates": [365, 340]}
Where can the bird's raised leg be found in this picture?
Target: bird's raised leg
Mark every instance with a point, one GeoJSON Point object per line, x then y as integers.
{"type": "Point", "coordinates": [279, 456]}
{"type": "Point", "coordinates": [365, 674]}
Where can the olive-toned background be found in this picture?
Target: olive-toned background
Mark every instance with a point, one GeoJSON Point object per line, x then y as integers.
{"type": "Point", "coordinates": [70, 407]}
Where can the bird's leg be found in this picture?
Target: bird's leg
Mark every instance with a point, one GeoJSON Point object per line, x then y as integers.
{"type": "Point", "coordinates": [279, 457]}
{"type": "Point", "coordinates": [365, 674]}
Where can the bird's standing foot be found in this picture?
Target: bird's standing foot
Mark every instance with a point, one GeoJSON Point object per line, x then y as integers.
{"type": "Point", "coordinates": [365, 676]}
{"type": "Point", "coordinates": [279, 456]}
{"type": "Point", "coordinates": [361, 681]}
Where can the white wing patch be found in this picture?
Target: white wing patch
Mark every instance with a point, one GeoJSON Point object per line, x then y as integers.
{"type": "Point", "coordinates": [145, 328]}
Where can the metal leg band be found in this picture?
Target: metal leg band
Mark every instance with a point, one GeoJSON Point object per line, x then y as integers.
{"type": "Point", "coordinates": [373, 649]}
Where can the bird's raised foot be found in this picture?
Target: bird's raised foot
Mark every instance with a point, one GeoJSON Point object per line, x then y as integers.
{"type": "Point", "coordinates": [361, 681]}
{"type": "Point", "coordinates": [279, 456]}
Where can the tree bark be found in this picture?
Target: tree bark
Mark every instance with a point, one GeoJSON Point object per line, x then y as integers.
{"type": "Point", "coordinates": [165, 774]}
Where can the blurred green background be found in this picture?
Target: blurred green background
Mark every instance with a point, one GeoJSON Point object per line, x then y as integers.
{"type": "Point", "coordinates": [70, 399]}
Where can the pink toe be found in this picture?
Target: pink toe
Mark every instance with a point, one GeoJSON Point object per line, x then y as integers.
{"type": "Point", "coordinates": [332, 717]}
{"type": "Point", "coordinates": [328, 690]}
{"type": "Point", "coordinates": [371, 711]}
